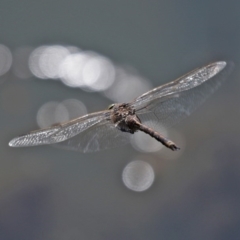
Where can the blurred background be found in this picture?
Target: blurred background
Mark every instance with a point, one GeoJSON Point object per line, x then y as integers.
{"type": "Point", "coordinates": [62, 59]}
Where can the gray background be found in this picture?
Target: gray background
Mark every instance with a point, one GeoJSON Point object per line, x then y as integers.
{"type": "Point", "coordinates": [48, 193]}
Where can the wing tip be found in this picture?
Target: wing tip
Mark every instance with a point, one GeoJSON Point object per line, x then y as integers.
{"type": "Point", "coordinates": [219, 65]}
{"type": "Point", "coordinates": [12, 143]}
{"type": "Point", "coordinates": [222, 63]}
{"type": "Point", "coordinates": [223, 66]}
{"type": "Point", "coordinates": [216, 67]}
{"type": "Point", "coordinates": [16, 142]}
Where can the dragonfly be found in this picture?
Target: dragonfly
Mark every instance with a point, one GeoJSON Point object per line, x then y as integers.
{"type": "Point", "coordinates": [165, 105]}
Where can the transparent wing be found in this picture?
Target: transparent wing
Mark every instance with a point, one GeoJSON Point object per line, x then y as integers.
{"type": "Point", "coordinates": [103, 135]}
{"type": "Point", "coordinates": [165, 105]}
{"type": "Point", "coordinates": [186, 82]}
{"type": "Point", "coordinates": [170, 103]}
{"type": "Point", "coordinates": [60, 132]}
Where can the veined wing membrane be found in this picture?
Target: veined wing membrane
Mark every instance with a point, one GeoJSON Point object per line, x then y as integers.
{"type": "Point", "coordinates": [176, 100]}
{"type": "Point", "coordinates": [164, 105]}
{"type": "Point", "coordinates": [103, 135]}
{"type": "Point", "coordinates": [59, 132]}
{"type": "Point", "coordinates": [186, 82]}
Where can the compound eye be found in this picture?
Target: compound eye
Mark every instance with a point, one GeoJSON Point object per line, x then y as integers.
{"type": "Point", "coordinates": [111, 106]}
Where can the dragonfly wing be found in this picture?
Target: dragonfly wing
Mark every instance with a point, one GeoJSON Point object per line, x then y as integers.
{"type": "Point", "coordinates": [39, 137]}
{"type": "Point", "coordinates": [186, 82]}
{"type": "Point", "coordinates": [101, 136]}
{"type": "Point", "coordinates": [59, 132]}
{"type": "Point", "coordinates": [174, 101]}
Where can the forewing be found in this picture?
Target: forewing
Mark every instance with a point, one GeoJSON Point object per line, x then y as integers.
{"type": "Point", "coordinates": [170, 103]}
{"type": "Point", "coordinates": [59, 132]}
{"type": "Point", "coordinates": [186, 82]}
{"type": "Point", "coordinates": [101, 136]}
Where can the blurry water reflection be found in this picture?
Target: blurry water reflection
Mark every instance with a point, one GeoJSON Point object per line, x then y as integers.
{"type": "Point", "coordinates": [74, 107]}
{"type": "Point", "coordinates": [127, 86]}
{"type": "Point", "coordinates": [5, 59]}
{"type": "Point", "coordinates": [87, 70]}
{"type": "Point", "coordinates": [44, 61]}
{"type": "Point", "coordinates": [46, 115]}
{"type": "Point", "coordinates": [138, 176]}
{"type": "Point", "coordinates": [98, 73]}
{"type": "Point", "coordinates": [54, 112]}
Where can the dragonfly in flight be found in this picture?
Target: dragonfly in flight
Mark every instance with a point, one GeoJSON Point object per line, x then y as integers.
{"type": "Point", "coordinates": [164, 105]}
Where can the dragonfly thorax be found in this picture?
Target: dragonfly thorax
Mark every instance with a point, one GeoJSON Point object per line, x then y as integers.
{"type": "Point", "coordinates": [121, 111]}
{"type": "Point", "coordinates": [120, 116]}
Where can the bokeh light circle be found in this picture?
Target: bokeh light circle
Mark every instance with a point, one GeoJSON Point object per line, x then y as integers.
{"type": "Point", "coordinates": [5, 59]}
{"type": "Point", "coordinates": [138, 176]}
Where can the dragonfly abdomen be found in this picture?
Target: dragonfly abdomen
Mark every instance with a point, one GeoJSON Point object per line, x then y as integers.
{"type": "Point", "coordinates": [159, 137]}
